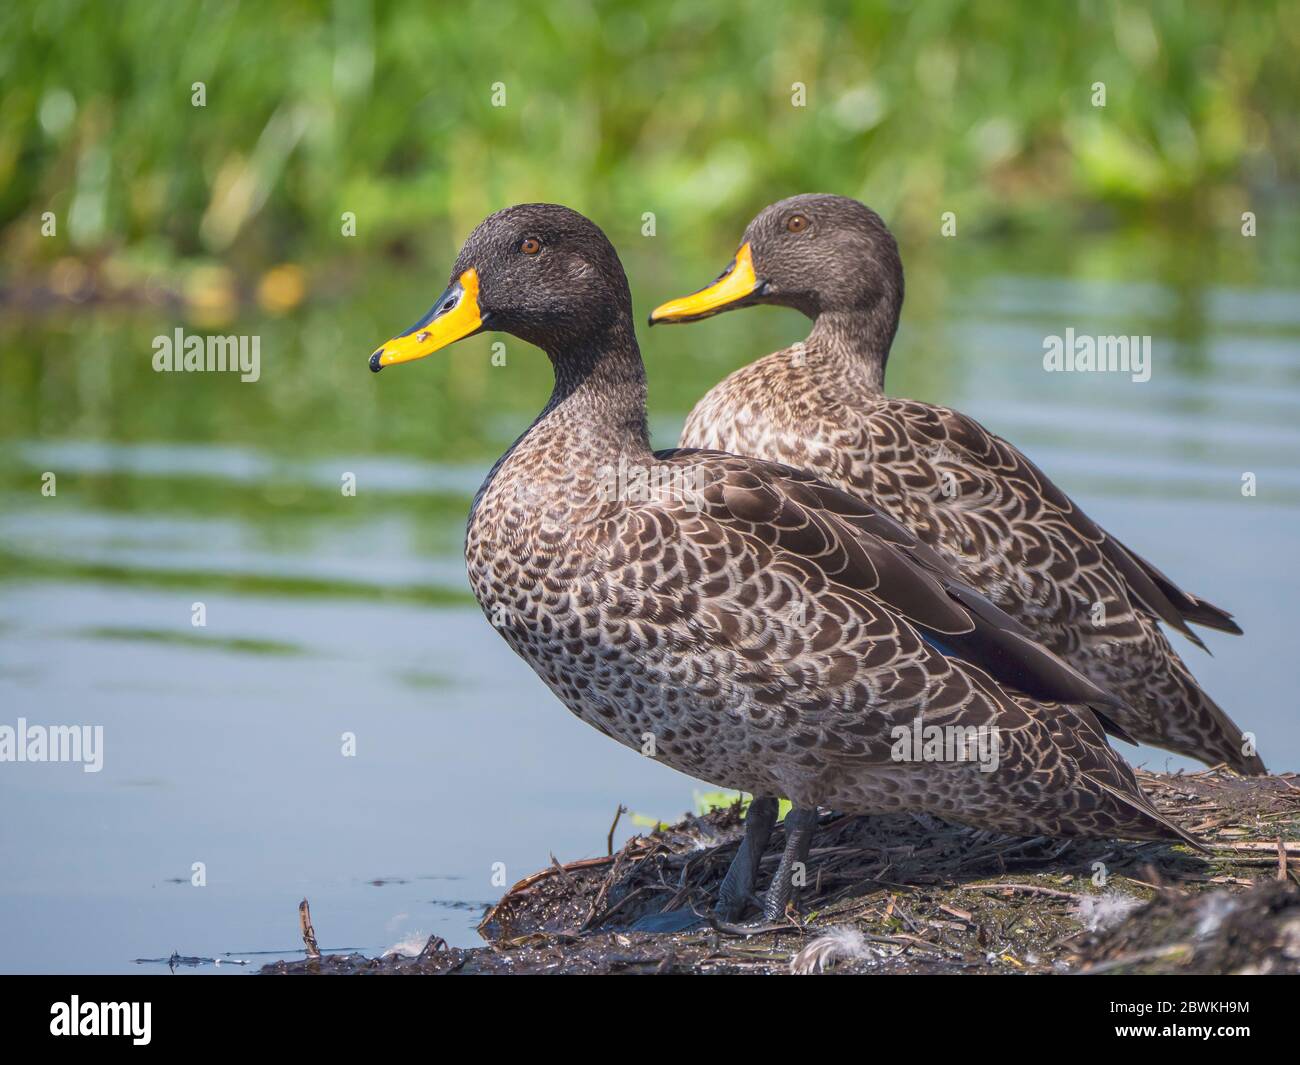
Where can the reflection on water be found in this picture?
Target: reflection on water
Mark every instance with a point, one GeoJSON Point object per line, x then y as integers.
{"type": "Point", "coordinates": [336, 620]}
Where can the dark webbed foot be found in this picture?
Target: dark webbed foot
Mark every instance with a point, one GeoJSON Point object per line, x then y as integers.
{"type": "Point", "coordinates": [738, 884]}
{"type": "Point", "coordinates": [800, 824]}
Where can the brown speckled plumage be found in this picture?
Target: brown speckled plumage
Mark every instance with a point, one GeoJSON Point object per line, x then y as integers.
{"type": "Point", "coordinates": [767, 630]}
{"type": "Point", "coordinates": [1004, 527]}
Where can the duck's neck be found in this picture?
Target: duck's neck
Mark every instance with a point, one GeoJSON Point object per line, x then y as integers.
{"type": "Point", "coordinates": [599, 400]}
{"type": "Point", "coordinates": [854, 343]}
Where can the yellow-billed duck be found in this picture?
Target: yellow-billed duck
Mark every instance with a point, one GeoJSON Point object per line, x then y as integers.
{"type": "Point", "coordinates": [990, 512]}
{"type": "Point", "coordinates": [745, 622]}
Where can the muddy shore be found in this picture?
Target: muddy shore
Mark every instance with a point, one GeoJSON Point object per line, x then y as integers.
{"type": "Point", "coordinates": [914, 894]}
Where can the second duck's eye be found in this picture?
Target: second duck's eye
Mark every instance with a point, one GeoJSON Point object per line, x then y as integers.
{"type": "Point", "coordinates": [530, 246]}
{"type": "Point", "coordinates": [797, 223]}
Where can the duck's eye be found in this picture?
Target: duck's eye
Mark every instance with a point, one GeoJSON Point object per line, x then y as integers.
{"type": "Point", "coordinates": [530, 246]}
{"type": "Point", "coordinates": [797, 223]}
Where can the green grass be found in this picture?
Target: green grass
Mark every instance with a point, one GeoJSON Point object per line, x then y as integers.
{"type": "Point", "coordinates": [26, 567]}
{"type": "Point", "coordinates": [385, 109]}
{"type": "Point", "coordinates": [183, 638]}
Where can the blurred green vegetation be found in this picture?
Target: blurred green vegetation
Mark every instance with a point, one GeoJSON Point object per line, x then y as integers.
{"type": "Point", "coordinates": [385, 108]}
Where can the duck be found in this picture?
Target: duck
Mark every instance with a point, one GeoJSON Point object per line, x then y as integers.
{"type": "Point", "coordinates": [740, 620]}
{"type": "Point", "coordinates": [972, 496]}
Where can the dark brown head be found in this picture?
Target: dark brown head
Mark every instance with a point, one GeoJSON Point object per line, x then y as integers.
{"type": "Point", "coordinates": [538, 271]}
{"type": "Point", "coordinates": [815, 253]}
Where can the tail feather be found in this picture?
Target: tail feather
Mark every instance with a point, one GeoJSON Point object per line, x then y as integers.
{"type": "Point", "coordinates": [1227, 742]}
{"type": "Point", "coordinates": [1162, 703]}
{"type": "Point", "coordinates": [1164, 598]}
{"type": "Point", "coordinates": [1163, 827]}
{"type": "Point", "coordinates": [1212, 617]}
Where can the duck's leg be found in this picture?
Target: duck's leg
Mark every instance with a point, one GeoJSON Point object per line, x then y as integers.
{"type": "Point", "coordinates": [800, 824]}
{"type": "Point", "coordinates": [738, 884]}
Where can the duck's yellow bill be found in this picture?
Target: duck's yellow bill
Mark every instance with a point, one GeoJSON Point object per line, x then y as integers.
{"type": "Point", "coordinates": [453, 317]}
{"type": "Point", "coordinates": [737, 283]}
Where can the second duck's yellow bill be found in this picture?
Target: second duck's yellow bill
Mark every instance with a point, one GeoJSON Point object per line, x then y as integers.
{"type": "Point", "coordinates": [736, 284]}
{"type": "Point", "coordinates": [453, 317]}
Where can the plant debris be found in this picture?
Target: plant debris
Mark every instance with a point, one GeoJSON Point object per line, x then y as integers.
{"type": "Point", "coordinates": [914, 894]}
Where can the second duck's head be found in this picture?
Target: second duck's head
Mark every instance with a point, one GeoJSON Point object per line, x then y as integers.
{"type": "Point", "coordinates": [539, 271]}
{"type": "Point", "coordinates": [816, 253]}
